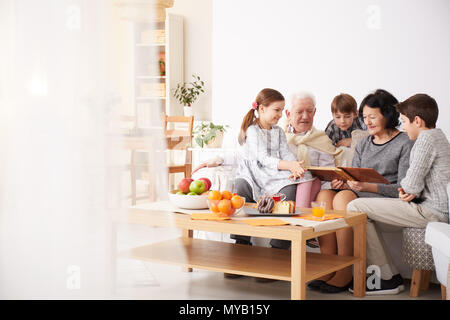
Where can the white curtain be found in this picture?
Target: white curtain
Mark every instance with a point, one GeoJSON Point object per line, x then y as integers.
{"type": "Point", "coordinates": [63, 88]}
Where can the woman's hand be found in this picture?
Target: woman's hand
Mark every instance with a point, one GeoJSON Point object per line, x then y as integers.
{"type": "Point", "coordinates": [356, 185]}
{"type": "Point", "coordinates": [363, 186]}
{"type": "Point", "coordinates": [407, 197]}
{"type": "Point", "coordinates": [338, 184]}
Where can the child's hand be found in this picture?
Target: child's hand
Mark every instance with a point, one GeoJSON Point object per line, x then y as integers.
{"type": "Point", "coordinates": [295, 176]}
{"type": "Point", "coordinates": [296, 169]}
{"type": "Point", "coordinates": [337, 184]}
{"type": "Point", "coordinates": [407, 197]}
{"type": "Point", "coordinates": [346, 142]}
{"type": "Point", "coordinates": [202, 165]}
{"type": "Point", "coordinates": [209, 163]}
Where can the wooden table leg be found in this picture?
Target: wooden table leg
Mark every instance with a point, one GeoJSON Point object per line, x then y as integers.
{"type": "Point", "coordinates": [359, 268]}
{"type": "Point", "coordinates": [186, 233]}
{"type": "Point", "coordinates": [298, 269]}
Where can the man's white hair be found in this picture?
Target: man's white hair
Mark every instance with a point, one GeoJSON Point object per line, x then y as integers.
{"type": "Point", "coordinates": [300, 95]}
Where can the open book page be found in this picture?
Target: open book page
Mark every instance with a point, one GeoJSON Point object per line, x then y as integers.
{"type": "Point", "coordinates": [365, 175]}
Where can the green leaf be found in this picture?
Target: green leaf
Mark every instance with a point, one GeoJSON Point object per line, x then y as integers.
{"type": "Point", "coordinates": [199, 141]}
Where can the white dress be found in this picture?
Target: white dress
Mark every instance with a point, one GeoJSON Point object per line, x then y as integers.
{"type": "Point", "coordinates": [258, 164]}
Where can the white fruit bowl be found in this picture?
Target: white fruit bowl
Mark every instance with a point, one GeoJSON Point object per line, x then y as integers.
{"type": "Point", "coordinates": [188, 201]}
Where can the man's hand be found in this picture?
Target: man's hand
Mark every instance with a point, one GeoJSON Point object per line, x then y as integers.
{"type": "Point", "coordinates": [346, 142]}
{"type": "Point", "coordinates": [407, 197]}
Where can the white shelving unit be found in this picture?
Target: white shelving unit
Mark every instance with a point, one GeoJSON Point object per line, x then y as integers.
{"type": "Point", "coordinates": [158, 68]}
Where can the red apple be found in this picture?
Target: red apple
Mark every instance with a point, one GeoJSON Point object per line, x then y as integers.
{"type": "Point", "coordinates": [207, 183]}
{"type": "Point", "coordinates": [184, 184]}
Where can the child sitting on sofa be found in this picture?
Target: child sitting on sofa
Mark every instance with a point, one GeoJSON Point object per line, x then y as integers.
{"type": "Point", "coordinates": [422, 196]}
{"type": "Point", "coordinates": [345, 120]}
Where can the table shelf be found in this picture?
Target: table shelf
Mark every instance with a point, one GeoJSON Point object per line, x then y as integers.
{"type": "Point", "coordinates": [237, 259]}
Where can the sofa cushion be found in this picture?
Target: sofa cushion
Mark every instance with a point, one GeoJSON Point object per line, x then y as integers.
{"type": "Point", "coordinates": [437, 235]}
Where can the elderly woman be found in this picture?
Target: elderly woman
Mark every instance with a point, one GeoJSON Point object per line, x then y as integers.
{"type": "Point", "coordinates": [386, 150]}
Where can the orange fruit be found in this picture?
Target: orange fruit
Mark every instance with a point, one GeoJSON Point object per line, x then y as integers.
{"type": "Point", "coordinates": [214, 195]}
{"type": "Point", "coordinates": [227, 195]}
{"type": "Point", "coordinates": [237, 202]}
{"type": "Point", "coordinates": [213, 205]}
{"type": "Point", "coordinates": [224, 206]}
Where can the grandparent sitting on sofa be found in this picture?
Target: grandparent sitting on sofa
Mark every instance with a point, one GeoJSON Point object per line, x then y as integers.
{"type": "Point", "coordinates": [309, 144]}
{"type": "Point", "coordinates": [304, 140]}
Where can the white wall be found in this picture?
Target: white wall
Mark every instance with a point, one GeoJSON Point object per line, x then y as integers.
{"type": "Point", "coordinates": [328, 47]}
{"type": "Point", "coordinates": [197, 17]}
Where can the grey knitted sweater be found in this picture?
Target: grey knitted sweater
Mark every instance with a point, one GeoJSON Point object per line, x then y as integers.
{"type": "Point", "coordinates": [429, 170]}
{"type": "Point", "coordinates": [390, 159]}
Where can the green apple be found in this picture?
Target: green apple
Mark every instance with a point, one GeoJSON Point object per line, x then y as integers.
{"type": "Point", "coordinates": [197, 186]}
{"type": "Point", "coordinates": [191, 194]}
{"type": "Point", "coordinates": [181, 193]}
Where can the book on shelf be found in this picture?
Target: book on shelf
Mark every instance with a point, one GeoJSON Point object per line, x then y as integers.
{"type": "Point", "coordinates": [347, 173]}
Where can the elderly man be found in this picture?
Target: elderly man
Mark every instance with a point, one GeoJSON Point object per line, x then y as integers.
{"type": "Point", "coordinates": [304, 139]}
{"type": "Point", "coordinates": [309, 144]}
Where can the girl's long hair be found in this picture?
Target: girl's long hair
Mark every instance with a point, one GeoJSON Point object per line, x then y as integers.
{"type": "Point", "coordinates": [265, 97]}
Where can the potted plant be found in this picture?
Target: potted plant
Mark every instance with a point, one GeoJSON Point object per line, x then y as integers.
{"type": "Point", "coordinates": [187, 93]}
{"type": "Point", "coordinates": [209, 135]}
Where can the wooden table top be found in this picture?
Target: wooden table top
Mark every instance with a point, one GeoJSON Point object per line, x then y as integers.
{"type": "Point", "coordinates": [288, 232]}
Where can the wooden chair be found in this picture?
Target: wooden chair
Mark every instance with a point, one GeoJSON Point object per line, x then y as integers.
{"type": "Point", "coordinates": [179, 139]}
{"type": "Point", "coordinates": [128, 124]}
{"type": "Point", "coordinates": [139, 148]}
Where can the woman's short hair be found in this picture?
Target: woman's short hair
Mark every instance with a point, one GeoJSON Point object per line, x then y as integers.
{"type": "Point", "coordinates": [384, 101]}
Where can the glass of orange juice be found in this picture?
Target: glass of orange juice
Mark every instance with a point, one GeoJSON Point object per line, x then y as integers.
{"type": "Point", "coordinates": [318, 209]}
